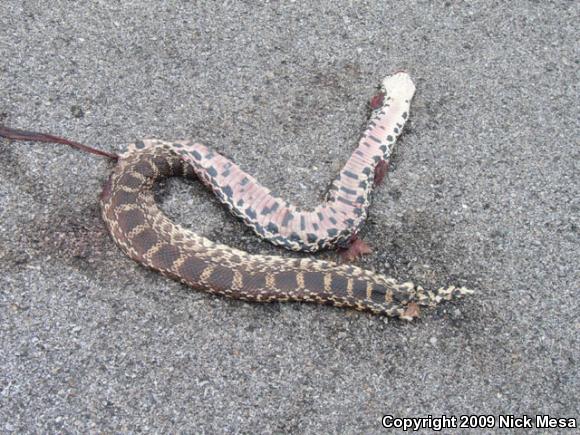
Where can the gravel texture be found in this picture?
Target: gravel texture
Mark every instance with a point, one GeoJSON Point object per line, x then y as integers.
{"type": "Point", "coordinates": [483, 192]}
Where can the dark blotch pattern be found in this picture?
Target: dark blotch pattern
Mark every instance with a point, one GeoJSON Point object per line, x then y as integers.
{"type": "Point", "coordinates": [339, 285]}
{"type": "Point", "coordinates": [251, 213]}
{"type": "Point", "coordinates": [379, 294]}
{"type": "Point", "coordinates": [162, 165]}
{"type": "Point", "coordinates": [254, 281]}
{"type": "Point", "coordinates": [228, 191]}
{"type": "Point", "coordinates": [314, 281]}
{"type": "Point", "coordinates": [350, 175]}
{"type": "Point", "coordinates": [294, 237]}
{"type": "Point", "coordinates": [286, 281]}
{"type": "Point", "coordinates": [348, 191]}
{"type": "Point", "coordinates": [122, 197]}
{"type": "Point", "coordinates": [144, 241]}
{"type": "Point", "coordinates": [129, 181]}
{"type": "Point", "coordinates": [359, 289]}
{"type": "Point", "coordinates": [221, 278]}
{"type": "Point", "coordinates": [192, 268]}
{"type": "Point", "coordinates": [145, 168]}
{"type": "Point", "coordinates": [287, 219]}
{"type": "Point", "coordinates": [165, 256]}
{"type": "Point", "coordinates": [130, 219]}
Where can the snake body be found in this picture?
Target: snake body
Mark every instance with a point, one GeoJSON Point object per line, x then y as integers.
{"type": "Point", "coordinates": [146, 235]}
{"type": "Point", "coordinates": [336, 220]}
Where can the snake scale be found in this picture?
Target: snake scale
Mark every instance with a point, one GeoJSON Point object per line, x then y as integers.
{"type": "Point", "coordinates": [146, 235]}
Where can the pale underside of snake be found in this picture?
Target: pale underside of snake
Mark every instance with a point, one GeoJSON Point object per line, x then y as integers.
{"type": "Point", "coordinates": [145, 234]}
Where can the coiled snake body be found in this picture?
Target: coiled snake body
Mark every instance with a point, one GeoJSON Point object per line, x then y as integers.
{"type": "Point", "coordinates": [146, 235]}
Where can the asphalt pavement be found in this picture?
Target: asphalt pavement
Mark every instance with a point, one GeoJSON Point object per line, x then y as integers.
{"type": "Point", "coordinates": [483, 192]}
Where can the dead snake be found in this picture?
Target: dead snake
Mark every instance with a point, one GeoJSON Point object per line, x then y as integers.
{"type": "Point", "coordinates": [146, 235]}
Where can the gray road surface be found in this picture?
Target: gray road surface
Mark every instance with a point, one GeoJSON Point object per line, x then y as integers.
{"type": "Point", "coordinates": [483, 192]}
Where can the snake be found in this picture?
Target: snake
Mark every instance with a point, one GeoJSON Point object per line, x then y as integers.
{"type": "Point", "coordinates": [145, 234]}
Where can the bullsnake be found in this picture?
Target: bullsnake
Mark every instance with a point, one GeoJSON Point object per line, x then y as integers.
{"type": "Point", "coordinates": [146, 235]}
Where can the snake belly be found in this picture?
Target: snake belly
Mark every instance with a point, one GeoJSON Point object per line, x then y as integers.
{"type": "Point", "coordinates": [333, 222]}
{"type": "Point", "coordinates": [149, 237]}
